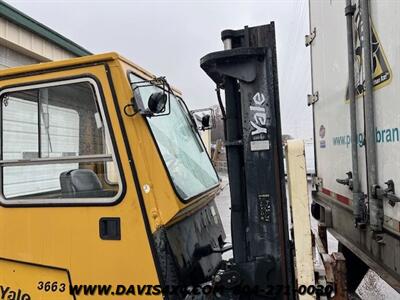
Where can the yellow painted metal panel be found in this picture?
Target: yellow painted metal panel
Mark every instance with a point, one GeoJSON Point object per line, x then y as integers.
{"type": "Point", "coordinates": [68, 237]}
{"type": "Point", "coordinates": [24, 281]}
{"type": "Point", "coordinates": [162, 203]}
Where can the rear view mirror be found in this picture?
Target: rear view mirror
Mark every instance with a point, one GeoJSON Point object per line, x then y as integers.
{"type": "Point", "coordinates": [151, 97]}
{"type": "Point", "coordinates": [205, 121]}
{"type": "Point", "coordinates": [157, 102]}
{"type": "Point", "coordinates": [204, 118]}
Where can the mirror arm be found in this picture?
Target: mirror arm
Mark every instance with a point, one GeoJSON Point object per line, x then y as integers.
{"type": "Point", "coordinates": [147, 113]}
{"type": "Point", "coordinates": [133, 106]}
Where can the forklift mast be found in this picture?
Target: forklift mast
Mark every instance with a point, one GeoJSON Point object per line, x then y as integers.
{"type": "Point", "coordinates": [247, 71]}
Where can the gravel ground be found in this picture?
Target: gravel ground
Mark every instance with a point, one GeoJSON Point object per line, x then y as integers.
{"type": "Point", "coordinates": [371, 288]}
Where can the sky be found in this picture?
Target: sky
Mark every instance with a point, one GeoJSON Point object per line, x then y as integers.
{"type": "Point", "coordinates": [168, 38]}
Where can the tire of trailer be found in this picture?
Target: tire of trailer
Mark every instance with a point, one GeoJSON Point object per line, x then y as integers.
{"type": "Point", "coordinates": [356, 265]}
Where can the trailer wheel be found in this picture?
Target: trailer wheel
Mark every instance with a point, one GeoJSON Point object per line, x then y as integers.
{"type": "Point", "coordinates": [356, 268]}
{"type": "Point", "coordinates": [316, 210]}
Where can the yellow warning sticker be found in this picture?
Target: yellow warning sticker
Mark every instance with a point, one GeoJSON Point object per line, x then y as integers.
{"type": "Point", "coordinates": [382, 73]}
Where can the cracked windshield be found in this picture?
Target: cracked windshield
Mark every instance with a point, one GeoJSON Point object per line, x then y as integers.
{"type": "Point", "coordinates": [180, 145]}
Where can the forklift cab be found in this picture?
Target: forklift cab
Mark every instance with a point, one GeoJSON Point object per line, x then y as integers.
{"type": "Point", "coordinates": [104, 181]}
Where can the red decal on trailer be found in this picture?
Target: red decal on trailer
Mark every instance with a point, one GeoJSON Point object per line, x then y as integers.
{"type": "Point", "coordinates": [343, 199]}
{"type": "Point", "coordinates": [337, 197]}
{"type": "Point", "coordinates": [326, 192]}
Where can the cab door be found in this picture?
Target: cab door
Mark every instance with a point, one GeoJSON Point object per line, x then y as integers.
{"type": "Point", "coordinates": [70, 212]}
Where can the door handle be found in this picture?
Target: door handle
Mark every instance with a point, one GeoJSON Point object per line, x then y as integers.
{"type": "Point", "coordinates": [110, 228]}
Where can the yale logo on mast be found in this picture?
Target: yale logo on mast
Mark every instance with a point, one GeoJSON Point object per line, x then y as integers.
{"type": "Point", "coordinates": [259, 120]}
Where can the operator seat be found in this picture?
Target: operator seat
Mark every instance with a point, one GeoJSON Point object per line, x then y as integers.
{"type": "Point", "coordinates": [82, 183]}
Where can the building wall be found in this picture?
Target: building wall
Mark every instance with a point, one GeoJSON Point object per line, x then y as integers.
{"type": "Point", "coordinates": [10, 58]}
{"type": "Point", "coordinates": [19, 46]}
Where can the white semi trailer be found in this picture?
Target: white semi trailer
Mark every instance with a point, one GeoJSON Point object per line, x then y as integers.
{"type": "Point", "coordinates": [355, 62]}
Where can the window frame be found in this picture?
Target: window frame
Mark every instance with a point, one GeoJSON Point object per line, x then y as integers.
{"type": "Point", "coordinates": [184, 106]}
{"type": "Point", "coordinates": [108, 135]}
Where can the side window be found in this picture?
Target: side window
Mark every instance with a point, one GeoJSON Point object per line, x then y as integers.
{"type": "Point", "coordinates": [55, 145]}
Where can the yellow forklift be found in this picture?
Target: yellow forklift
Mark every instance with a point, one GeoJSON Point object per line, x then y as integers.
{"type": "Point", "coordinates": [108, 190]}
{"type": "Point", "coordinates": [98, 157]}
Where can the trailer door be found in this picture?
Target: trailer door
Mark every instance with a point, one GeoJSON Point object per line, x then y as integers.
{"type": "Point", "coordinates": [332, 124]}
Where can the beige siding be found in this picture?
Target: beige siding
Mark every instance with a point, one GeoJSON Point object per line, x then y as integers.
{"type": "Point", "coordinates": [10, 58]}
{"type": "Point", "coordinates": [28, 44]}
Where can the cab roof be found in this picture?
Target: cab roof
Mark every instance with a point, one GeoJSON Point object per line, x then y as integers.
{"type": "Point", "coordinates": [84, 60]}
